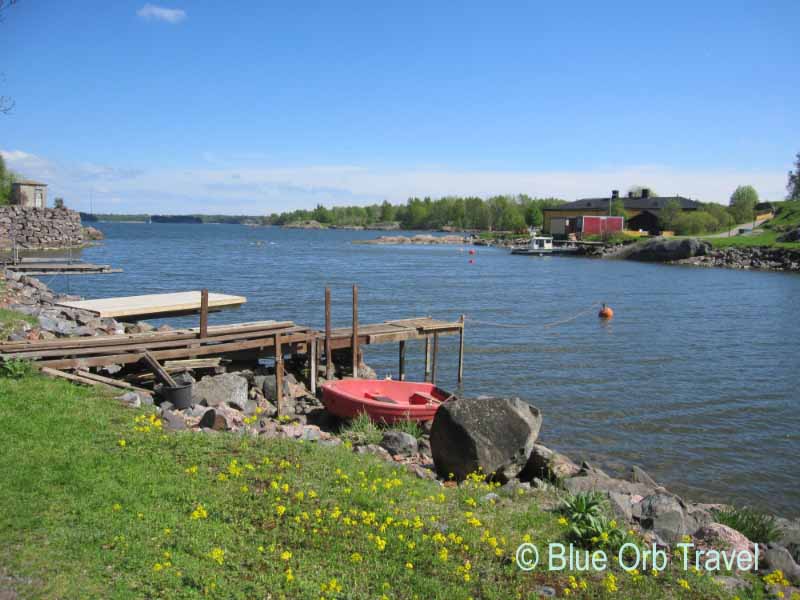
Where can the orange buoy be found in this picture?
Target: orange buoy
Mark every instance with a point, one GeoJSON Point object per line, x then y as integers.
{"type": "Point", "coordinates": [605, 312]}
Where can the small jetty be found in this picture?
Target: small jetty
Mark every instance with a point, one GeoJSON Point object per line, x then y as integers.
{"type": "Point", "coordinates": [79, 358]}
{"type": "Point", "coordinates": [152, 306]}
{"type": "Point", "coordinates": [58, 266]}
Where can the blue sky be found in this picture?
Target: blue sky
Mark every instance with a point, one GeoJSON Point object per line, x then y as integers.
{"type": "Point", "coordinates": [257, 107]}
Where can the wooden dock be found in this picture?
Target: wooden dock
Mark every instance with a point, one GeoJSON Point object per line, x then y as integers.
{"type": "Point", "coordinates": [151, 306]}
{"type": "Point", "coordinates": [43, 266]}
{"type": "Point", "coordinates": [75, 358]}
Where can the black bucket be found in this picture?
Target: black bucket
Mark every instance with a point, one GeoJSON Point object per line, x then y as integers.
{"type": "Point", "coordinates": [180, 396]}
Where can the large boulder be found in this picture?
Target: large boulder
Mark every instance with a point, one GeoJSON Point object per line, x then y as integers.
{"type": "Point", "coordinates": [226, 388]}
{"type": "Point", "coordinates": [793, 235]}
{"type": "Point", "coordinates": [665, 250]}
{"type": "Point", "coordinates": [492, 435]}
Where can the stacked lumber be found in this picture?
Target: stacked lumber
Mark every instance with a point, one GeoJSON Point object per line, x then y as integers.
{"type": "Point", "coordinates": [85, 353]}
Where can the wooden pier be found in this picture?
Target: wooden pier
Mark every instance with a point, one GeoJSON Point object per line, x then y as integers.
{"type": "Point", "coordinates": [74, 358]}
{"type": "Point", "coordinates": [46, 266]}
{"type": "Point", "coordinates": [152, 306]}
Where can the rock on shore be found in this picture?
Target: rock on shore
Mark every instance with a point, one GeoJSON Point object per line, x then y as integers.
{"type": "Point", "coordinates": [416, 239]}
{"type": "Point", "coordinates": [666, 250]}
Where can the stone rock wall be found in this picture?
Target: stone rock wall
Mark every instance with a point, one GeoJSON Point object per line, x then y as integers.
{"type": "Point", "coordinates": [39, 228]}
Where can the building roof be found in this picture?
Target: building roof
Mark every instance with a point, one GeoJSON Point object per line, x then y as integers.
{"type": "Point", "coordinates": [652, 203]}
{"type": "Point", "coordinates": [29, 182]}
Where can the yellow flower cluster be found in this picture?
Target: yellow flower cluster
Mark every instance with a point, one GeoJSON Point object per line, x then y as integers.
{"type": "Point", "coordinates": [217, 555]}
{"type": "Point", "coordinates": [776, 578]}
{"type": "Point", "coordinates": [199, 513]}
{"type": "Point", "coordinates": [147, 423]}
{"type": "Point", "coordinates": [610, 583]}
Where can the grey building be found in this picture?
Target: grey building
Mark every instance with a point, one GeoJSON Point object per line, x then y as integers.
{"type": "Point", "coordinates": [29, 194]}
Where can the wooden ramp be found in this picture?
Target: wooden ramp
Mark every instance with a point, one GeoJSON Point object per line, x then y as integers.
{"type": "Point", "coordinates": [393, 331]}
{"type": "Point", "coordinates": [31, 266]}
{"type": "Point", "coordinates": [151, 306]}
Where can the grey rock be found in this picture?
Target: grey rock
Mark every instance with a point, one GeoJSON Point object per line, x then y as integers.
{"type": "Point", "coordinates": [778, 557]}
{"type": "Point", "coordinates": [399, 442]}
{"type": "Point", "coordinates": [173, 421]}
{"type": "Point", "coordinates": [218, 389]}
{"type": "Point", "coordinates": [420, 471]}
{"type": "Point", "coordinates": [732, 585]}
{"type": "Point", "coordinates": [490, 498]}
{"type": "Point", "coordinates": [639, 475]}
{"type": "Point", "coordinates": [378, 451]}
{"type": "Point", "coordinates": [544, 591]}
{"type": "Point", "coordinates": [130, 399]}
{"type": "Point", "coordinates": [549, 465]}
{"type": "Point", "coordinates": [311, 433]}
{"type": "Point", "coordinates": [214, 419]}
{"type": "Point", "coordinates": [494, 436]}
{"type": "Point", "coordinates": [665, 250]}
{"type": "Point", "coordinates": [594, 482]}
{"type": "Point", "coordinates": [668, 517]}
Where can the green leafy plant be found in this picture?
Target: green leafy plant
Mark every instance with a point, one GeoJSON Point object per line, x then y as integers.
{"type": "Point", "coordinates": [755, 525]}
{"type": "Point", "coordinates": [588, 525]}
{"type": "Point", "coordinates": [362, 430]}
{"type": "Point", "coordinates": [16, 368]}
{"type": "Point", "coordinates": [409, 427]}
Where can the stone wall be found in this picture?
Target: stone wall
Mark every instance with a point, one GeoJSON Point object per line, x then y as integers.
{"type": "Point", "coordinates": [39, 228]}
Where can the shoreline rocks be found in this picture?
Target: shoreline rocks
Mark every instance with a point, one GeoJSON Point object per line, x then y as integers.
{"type": "Point", "coordinates": [420, 239]}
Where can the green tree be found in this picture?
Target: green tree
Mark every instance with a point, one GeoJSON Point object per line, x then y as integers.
{"type": "Point", "coordinates": [743, 202]}
{"type": "Point", "coordinates": [668, 214]}
{"type": "Point", "coordinates": [7, 177]}
{"type": "Point", "coordinates": [793, 185]}
{"type": "Point", "coordinates": [636, 190]}
{"type": "Point", "coordinates": [388, 212]}
{"type": "Point", "coordinates": [617, 208]}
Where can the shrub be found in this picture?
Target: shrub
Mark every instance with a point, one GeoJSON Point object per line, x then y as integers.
{"type": "Point", "coordinates": [755, 525]}
{"type": "Point", "coordinates": [362, 430]}
{"type": "Point", "coordinates": [588, 525]}
{"type": "Point", "coordinates": [16, 368]}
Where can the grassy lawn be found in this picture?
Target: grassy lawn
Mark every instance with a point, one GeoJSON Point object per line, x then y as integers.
{"type": "Point", "coordinates": [99, 502]}
{"type": "Point", "coordinates": [767, 238]}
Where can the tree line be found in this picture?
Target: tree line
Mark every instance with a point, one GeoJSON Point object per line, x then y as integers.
{"type": "Point", "coordinates": [498, 213]}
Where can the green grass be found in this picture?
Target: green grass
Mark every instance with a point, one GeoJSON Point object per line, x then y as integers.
{"type": "Point", "coordinates": [787, 216]}
{"type": "Point", "coordinates": [766, 238]}
{"type": "Point", "coordinates": [754, 525]}
{"type": "Point", "coordinates": [9, 319]}
{"type": "Point", "coordinates": [98, 502]}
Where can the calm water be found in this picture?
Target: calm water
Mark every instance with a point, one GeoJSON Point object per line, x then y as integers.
{"type": "Point", "coordinates": [695, 378]}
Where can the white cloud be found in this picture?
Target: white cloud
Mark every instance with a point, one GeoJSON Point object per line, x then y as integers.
{"type": "Point", "coordinates": [248, 189]}
{"type": "Point", "coordinates": [160, 13]}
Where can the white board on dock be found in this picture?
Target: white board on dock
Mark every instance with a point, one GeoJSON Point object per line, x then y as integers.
{"type": "Point", "coordinates": [155, 305]}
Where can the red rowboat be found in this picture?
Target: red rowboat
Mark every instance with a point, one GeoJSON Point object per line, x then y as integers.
{"type": "Point", "coordinates": [383, 400]}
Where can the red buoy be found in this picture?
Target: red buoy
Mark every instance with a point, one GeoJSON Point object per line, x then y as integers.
{"type": "Point", "coordinates": [472, 262]}
{"type": "Point", "coordinates": [472, 251]}
{"type": "Point", "coordinates": [605, 312]}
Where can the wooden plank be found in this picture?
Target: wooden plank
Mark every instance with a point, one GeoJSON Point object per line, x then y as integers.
{"type": "Point", "coordinates": [111, 382]}
{"type": "Point", "coordinates": [312, 356]}
{"type": "Point", "coordinates": [402, 359]}
{"type": "Point", "coordinates": [355, 332]}
{"type": "Point", "coordinates": [461, 351]}
{"type": "Point", "coordinates": [158, 370]}
{"type": "Point", "coordinates": [193, 363]}
{"type": "Point", "coordinates": [110, 340]}
{"type": "Point", "coordinates": [154, 304]}
{"type": "Point", "coordinates": [132, 357]}
{"type": "Point", "coordinates": [427, 358]}
{"type": "Point", "coordinates": [278, 374]}
{"type": "Point", "coordinates": [184, 342]}
{"type": "Point", "coordinates": [70, 377]}
{"type": "Point", "coordinates": [328, 353]}
{"type": "Point", "coordinates": [435, 357]}
{"type": "Point", "coordinates": [203, 313]}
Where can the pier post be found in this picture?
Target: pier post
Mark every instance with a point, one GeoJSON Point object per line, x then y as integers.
{"type": "Point", "coordinates": [427, 358]}
{"type": "Point", "coordinates": [402, 367]}
{"type": "Point", "coordinates": [328, 355]}
{"type": "Point", "coordinates": [355, 332]}
{"type": "Point", "coordinates": [203, 313]}
{"type": "Point", "coordinates": [278, 374]}
{"type": "Point", "coordinates": [312, 356]}
{"type": "Point", "coordinates": [435, 356]}
{"type": "Point", "coordinates": [461, 351]}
